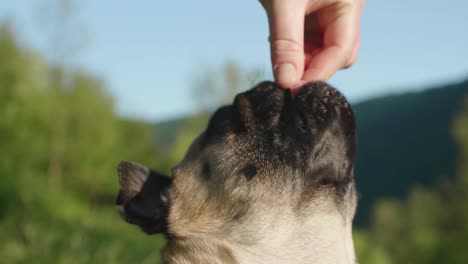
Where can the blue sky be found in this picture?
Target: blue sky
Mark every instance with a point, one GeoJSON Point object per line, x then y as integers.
{"type": "Point", "coordinates": [148, 51]}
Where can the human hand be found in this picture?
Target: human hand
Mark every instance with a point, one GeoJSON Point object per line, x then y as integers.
{"type": "Point", "coordinates": [312, 39]}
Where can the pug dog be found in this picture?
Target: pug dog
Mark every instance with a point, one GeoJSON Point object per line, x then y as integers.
{"type": "Point", "coordinates": [270, 180]}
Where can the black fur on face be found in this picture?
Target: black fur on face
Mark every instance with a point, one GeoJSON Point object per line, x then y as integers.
{"type": "Point", "coordinates": [312, 131]}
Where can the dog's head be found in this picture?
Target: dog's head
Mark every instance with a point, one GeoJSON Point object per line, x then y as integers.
{"type": "Point", "coordinates": [271, 154]}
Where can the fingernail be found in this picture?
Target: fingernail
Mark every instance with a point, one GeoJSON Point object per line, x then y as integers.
{"type": "Point", "coordinates": [285, 73]}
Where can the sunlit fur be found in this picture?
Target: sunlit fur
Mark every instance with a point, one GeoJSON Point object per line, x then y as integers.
{"type": "Point", "coordinates": [269, 181]}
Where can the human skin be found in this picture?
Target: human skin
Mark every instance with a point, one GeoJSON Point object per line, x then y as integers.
{"type": "Point", "coordinates": [312, 39]}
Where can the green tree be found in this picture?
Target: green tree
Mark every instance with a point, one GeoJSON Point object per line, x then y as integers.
{"type": "Point", "coordinates": [430, 226]}
{"type": "Point", "coordinates": [217, 86]}
{"type": "Point", "coordinates": [58, 152]}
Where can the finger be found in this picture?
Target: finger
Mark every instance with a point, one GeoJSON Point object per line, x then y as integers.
{"type": "Point", "coordinates": [339, 38]}
{"type": "Point", "coordinates": [354, 54]}
{"type": "Point", "coordinates": [286, 41]}
{"type": "Point", "coordinates": [324, 65]}
{"type": "Point", "coordinates": [353, 57]}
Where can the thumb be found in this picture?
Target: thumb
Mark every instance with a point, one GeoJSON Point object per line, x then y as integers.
{"type": "Point", "coordinates": [286, 20]}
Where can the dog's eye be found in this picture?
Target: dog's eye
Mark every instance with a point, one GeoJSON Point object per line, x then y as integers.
{"type": "Point", "coordinates": [206, 171]}
{"type": "Point", "coordinates": [249, 171]}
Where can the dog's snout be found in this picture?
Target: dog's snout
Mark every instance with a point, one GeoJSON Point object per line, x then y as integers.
{"type": "Point", "coordinates": [311, 107]}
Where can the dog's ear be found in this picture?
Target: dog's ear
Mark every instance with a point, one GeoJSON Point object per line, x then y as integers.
{"type": "Point", "coordinates": [143, 198]}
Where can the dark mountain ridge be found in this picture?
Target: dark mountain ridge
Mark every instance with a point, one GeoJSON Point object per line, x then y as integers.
{"type": "Point", "coordinates": [404, 140]}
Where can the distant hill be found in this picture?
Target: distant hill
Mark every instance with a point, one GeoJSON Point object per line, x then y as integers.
{"type": "Point", "coordinates": [403, 140]}
{"type": "Point", "coordinates": [166, 131]}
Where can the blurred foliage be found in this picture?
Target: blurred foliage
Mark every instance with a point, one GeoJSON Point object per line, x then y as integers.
{"type": "Point", "coordinates": [430, 225]}
{"type": "Point", "coordinates": [222, 83]}
{"type": "Point", "coordinates": [403, 140]}
{"type": "Point", "coordinates": [60, 141]}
